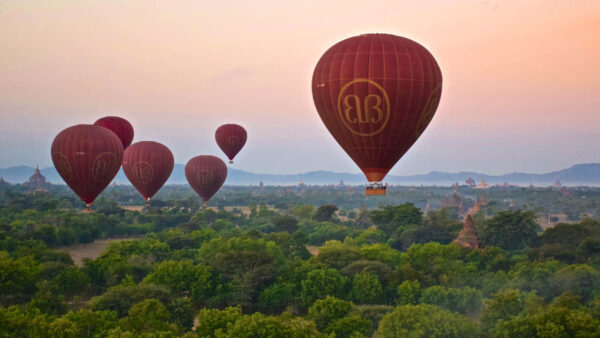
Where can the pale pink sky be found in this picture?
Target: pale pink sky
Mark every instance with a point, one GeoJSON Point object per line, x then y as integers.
{"type": "Point", "coordinates": [521, 78]}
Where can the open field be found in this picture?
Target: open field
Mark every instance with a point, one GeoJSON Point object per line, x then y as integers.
{"type": "Point", "coordinates": [92, 250]}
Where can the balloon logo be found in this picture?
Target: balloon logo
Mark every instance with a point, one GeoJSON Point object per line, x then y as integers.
{"type": "Point", "coordinates": [204, 177]}
{"type": "Point", "coordinates": [62, 166]}
{"type": "Point", "coordinates": [364, 115]}
{"type": "Point", "coordinates": [233, 140]}
{"type": "Point", "coordinates": [143, 172]}
{"type": "Point", "coordinates": [104, 166]}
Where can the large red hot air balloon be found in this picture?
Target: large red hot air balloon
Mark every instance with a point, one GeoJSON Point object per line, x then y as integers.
{"type": "Point", "coordinates": [206, 174]}
{"type": "Point", "coordinates": [376, 93]}
{"type": "Point", "coordinates": [119, 126]}
{"type": "Point", "coordinates": [87, 157]}
{"type": "Point", "coordinates": [231, 138]}
{"type": "Point", "coordinates": [147, 165]}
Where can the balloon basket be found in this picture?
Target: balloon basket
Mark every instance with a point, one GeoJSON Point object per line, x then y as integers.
{"type": "Point", "coordinates": [87, 208]}
{"type": "Point", "coordinates": [375, 189]}
{"type": "Point", "coordinates": [230, 161]}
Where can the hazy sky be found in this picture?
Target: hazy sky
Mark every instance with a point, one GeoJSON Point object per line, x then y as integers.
{"type": "Point", "coordinates": [521, 78]}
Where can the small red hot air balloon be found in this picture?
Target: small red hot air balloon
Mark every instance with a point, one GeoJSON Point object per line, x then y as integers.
{"type": "Point", "coordinates": [147, 165]}
{"type": "Point", "coordinates": [87, 157]}
{"type": "Point", "coordinates": [206, 174]}
{"type": "Point", "coordinates": [119, 126]}
{"type": "Point", "coordinates": [376, 94]}
{"type": "Point", "coordinates": [231, 139]}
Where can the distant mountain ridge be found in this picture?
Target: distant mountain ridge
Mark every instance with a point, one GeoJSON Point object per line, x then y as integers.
{"type": "Point", "coordinates": [579, 174]}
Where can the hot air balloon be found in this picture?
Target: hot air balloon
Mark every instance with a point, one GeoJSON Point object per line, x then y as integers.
{"type": "Point", "coordinates": [87, 157]}
{"type": "Point", "coordinates": [206, 174]}
{"type": "Point", "coordinates": [119, 126]}
{"type": "Point", "coordinates": [376, 94]}
{"type": "Point", "coordinates": [147, 165]}
{"type": "Point", "coordinates": [231, 139]}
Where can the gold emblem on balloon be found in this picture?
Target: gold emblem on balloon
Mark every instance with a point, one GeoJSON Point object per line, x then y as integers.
{"type": "Point", "coordinates": [232, 140]}
{"type": "Point", "coordinates": [143, 172]}
{"type": "Point", "coordinates": [104, 166]}
{"type": "Point", "coordinates": [364, 115]}
{"type": "Point", "coordinates": [62, 166]}
{"type": "Point", "coordinates": [204, 177]}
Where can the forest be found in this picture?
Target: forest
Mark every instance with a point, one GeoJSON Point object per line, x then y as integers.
{"type": "Point", "coordinates": [300, 262]}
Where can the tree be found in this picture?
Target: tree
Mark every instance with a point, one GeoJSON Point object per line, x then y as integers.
{"type": "Point", "coordinates": [409, 292]}
{"type": "Point", "coordinates": [320, 283]}
{"type": "Point", "coordinates": [16, 278]}
{"type": "Point", "coordinates": [121, 298]}
{"type": "Point", "coordinates": [425, 320]}
{"type": "Point", "coordinates": [276, 297]}
{"type": "Point", "coordinates": [286, 223]}
{"type": "Point", "coordinates": [182, 277]}
{"type": "Point", "coordinates": [466, 301]}
{"type": "Point", "coordinates": [336, 255]}
{"type": "Point", "coordinates": [325, 212]}
{"type": "Point", "coordinates": [503, 305]}
{"type": "Point", "coordinates": [47, 300]}
{"type": "Point", "coordinates": [391, 218]}
{"type": "Point", "coordinates": [581, 279]}
{"type": "Point", "coordinates": [511, 230]}
{"type": "Point", "coordinates": [350, 326]}
{"type": "Point", "coordinates": [93, 323]}
{"type": "Point", "coordinates": [554, 321]}
{"type": "Point", "coordinates": [248, 263]}
{"type": "Point", "coordinates": [148, 316]}
{"type": "Point", "coordinates": [71, 281]}
{"type": "Point", "coordinates": [211, 320]}
{"type": "Point", "coordinates": [366, 288]}
{"type": "Point", "coordinates": [324, 311]}
{"type": "Point", "coordinates": [259, 325]}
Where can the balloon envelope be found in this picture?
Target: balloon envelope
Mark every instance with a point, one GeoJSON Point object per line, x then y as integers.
{"type": "Point", "coordinates": [206, 174]}
{"type": "Point", "coordinates": [87, 157]}
{"type": "Point", "coordinates": [376, 94]}
{"type": "Point", "coordinates": [119, 126]}
{"type": "Point", "coordinates": [148, 165]}
{"type": "Point", "coordinates": [231, 139]}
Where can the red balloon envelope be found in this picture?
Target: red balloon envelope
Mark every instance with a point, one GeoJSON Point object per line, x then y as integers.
{"type": "Point", "coordinates": [376, 93]}
{"type": "Point", "coordinates": [119, 126]}
{"type": "Point", "coordinates": [231, 139]}
{"type": "Point", "coordinates": [87, 157]}
{"type": "Point", "coordinates": [206, 174]}
{"type": "Point", "coordinates": [148, 165]}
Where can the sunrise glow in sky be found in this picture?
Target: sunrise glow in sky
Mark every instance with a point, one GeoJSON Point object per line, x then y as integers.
{"type": "Point", "coordinates": [521, 78]}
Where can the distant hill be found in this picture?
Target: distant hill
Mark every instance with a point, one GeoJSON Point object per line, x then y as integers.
{"type": "Point", "coordinates": [580, 174]}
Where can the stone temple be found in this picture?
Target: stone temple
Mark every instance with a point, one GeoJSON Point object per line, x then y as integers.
{"type": "Point", "coordinates": [37, 182]}
{"type": "Point", "coordinates": [468, 235]}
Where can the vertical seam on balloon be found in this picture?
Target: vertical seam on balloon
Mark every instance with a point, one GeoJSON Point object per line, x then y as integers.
{"type": "Point", "coordinates": [343, 133]}
{"type": "Point", "coordinates": [410, 96]}
{"type": "Point", "coordinates": [380, 150]}
{"type": "Point", "coordinates": [363, 156]}
{"type": "Point", "coordinates": [396, 103]}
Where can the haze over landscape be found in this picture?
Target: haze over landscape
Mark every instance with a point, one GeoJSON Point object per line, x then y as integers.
{"type": "Point", "coordinates": [474, 123]}
{"type": "Point", "coordinates": [520, 78]}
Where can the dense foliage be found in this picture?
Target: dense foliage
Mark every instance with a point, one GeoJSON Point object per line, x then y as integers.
{"type": "Point", "coordinates": [297, 270]}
